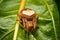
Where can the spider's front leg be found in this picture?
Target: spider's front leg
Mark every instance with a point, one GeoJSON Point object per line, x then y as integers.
{"type": "Point", "coordinates": [24, 23]}
{"type": "Point", "coordinates": [35, 22]}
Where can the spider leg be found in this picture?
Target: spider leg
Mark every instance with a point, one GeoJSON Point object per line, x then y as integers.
{"type": "Point", "coordinates": [35, 22]}
{"type": "Point", "coordinates": [25, 28]}
{"type": "Point", "coordinates": [24, 23]}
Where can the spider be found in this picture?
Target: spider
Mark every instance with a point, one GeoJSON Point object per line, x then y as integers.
{"type": "Point", "coordinates": [28, 18]}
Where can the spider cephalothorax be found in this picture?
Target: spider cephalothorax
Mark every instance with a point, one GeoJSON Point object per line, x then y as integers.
{"type": "Point", "coordinates": [28, 18]}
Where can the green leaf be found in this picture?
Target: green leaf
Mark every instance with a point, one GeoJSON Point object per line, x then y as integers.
{"type": "Point", "coordinates": [48, 21]}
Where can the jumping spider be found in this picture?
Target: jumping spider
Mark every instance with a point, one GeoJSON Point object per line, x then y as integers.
{"type": "Point", "coordinates": [28, 18]}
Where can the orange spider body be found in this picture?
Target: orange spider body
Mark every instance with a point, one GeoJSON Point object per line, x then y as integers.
{"type": "Point", "coordinates": [29, 20]}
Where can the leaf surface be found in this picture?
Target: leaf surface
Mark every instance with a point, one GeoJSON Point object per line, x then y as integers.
{"type": "Point", "coordinates": [46, 29]}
